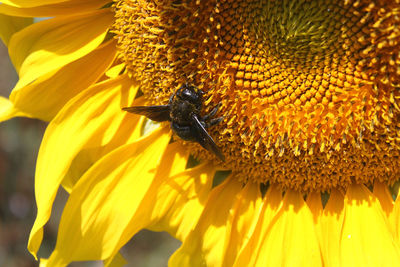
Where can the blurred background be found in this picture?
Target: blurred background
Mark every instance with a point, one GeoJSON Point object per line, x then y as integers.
{"type": "Point", "coordinates": [19, 144]}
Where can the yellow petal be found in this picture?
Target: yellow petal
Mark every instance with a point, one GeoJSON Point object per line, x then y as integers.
{"type": "Point", "coordinates": [117, 261]}
{"type": "Point", "coordinates": [121, 131]}
{"type": "Point", "coordinates": [43, 263]}
{"type": "Point", "coordinates": [366, 236]}
{"type": "Point", "coordinates": [246, 213]}
{"type": "Point", "coordinates": [381, 191]}
{"type": "Point", "coordinates": [48, 94]}
{"type": "Point", "coordinates": [50, 44]}
{"type": "Point", "coordinates": [290, 238]}
{"type": "Point", "coordinates": [328, 225]}
{"type": "Point", "coordinates": [8, 110]}
{"type": "Point", "coordinates": [106, 198]}
{"type": "Point", "coordinates": [10, 25]}
{"type": "Point", "coordinates": [115, 70]}
{"type": "Point", "coordinates": [176, 198]}
{"type": "Point", "coordinates": [331, 229]}
{"type": "Point", "coordinates": [51, 9]}
{"type": "Point", "coordinates": [92, 123]}
{"type": "Point", "coordinates": [30, 3]}
{"type": "Point", "coordinates": [205, 245]}
{"type": "Point", "coordinates": [314, 203]}
{"type": "Point", "coordinates": [394, 219]}
{"type": "Point", "coordinates": [269, 208]}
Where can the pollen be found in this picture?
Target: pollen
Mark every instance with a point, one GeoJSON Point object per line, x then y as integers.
{"type": "Point", "coordinates": [309, 90]}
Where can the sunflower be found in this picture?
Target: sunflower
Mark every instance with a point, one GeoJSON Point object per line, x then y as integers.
{"type": "Point", "coordinates": [309, 92]}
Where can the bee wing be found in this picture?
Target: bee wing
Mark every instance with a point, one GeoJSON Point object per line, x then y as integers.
{"type": "Point", "coordinates": [154, 113]}
{"type": "Point", "coordinates": [205, 140]}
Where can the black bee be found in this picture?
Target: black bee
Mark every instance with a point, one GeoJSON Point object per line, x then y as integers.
{"type": "Point", "coordinates": [183, 111]}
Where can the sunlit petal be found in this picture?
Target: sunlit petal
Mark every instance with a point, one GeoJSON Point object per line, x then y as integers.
{"type": "Point", "coordinates": [119, 179]}
{"type": "Point", "coordinates": [179, 200]}
{"type": "Point", "coordinates": [205, 245]}
{"type": "Point", "coordinates": [246, 213]}
{"type": "Point", "coordinates": [328, 223]}
{"type": "Point", "coordinates": [381, 191]}
{"type": "Point", "coordinates": [44, 97]}
{"type": "Point", "coordinates": [394, 218]}
{"type": "Point", "coordinates": [269, 208]}
{"type": "Point", "coordinates": [28, 3]}
{"type": "Point", "coordinates": [117, 261]}
{"type": "Point", "coordinates": [366, 237]}
{"type": "Point", "coordinates": [50, 44]}
{"type": "Point", "coordinates": [8, 110]}
{"type": "Point", "coordinates": [97, 134]}
{"type": "Point", "coordinates": [276, 241]}
{"type": "Point", "coordinates": [331, 228]}
{"type": "Point", "coordinates": [174, 203]}
{"type": "Point", "coordinates": [41, 9]}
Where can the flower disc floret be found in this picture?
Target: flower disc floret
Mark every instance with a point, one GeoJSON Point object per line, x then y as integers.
{"type": "Point", "coordinates": [309, 89]}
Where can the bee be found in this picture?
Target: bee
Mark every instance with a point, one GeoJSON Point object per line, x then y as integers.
{"type": "Point", "coordinates": [183, 113]}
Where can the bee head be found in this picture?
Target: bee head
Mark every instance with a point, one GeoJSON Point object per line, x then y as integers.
{"type": "Point", "coordinates": [191, 94]}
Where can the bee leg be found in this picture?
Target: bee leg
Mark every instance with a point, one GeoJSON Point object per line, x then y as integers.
{"type": "Point", "coordinates": [171, 98]}
{"type": "Point", "coordinates": [212, 113]}
{"type": "Point", "coordinates": [213, 122]}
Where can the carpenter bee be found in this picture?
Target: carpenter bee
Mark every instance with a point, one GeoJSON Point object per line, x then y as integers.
{"type": "Point", "coordinates": [183, 112]}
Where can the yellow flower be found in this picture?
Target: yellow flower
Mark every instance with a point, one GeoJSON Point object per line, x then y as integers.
{"type": "Point", "coordinates": [309, 92]}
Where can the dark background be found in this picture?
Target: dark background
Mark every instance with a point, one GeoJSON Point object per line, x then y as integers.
{"type": "Point", "coordinates": [19, 144]}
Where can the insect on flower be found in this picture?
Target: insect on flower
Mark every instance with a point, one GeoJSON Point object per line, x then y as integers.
{"type": "Point", "coordinates": [183, 112]}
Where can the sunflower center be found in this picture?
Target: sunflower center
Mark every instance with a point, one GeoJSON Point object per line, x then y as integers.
{"type": "Point", "coordinates": [304, 37]}
{"type": "Point", "coordinates": [309, 90]}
